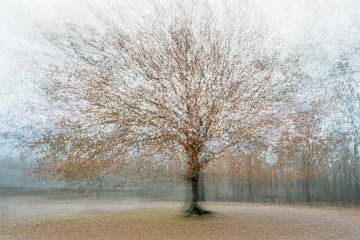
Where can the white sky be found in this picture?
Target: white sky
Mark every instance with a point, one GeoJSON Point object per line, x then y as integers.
{"type": "Point", "coordinates": [293, 19]}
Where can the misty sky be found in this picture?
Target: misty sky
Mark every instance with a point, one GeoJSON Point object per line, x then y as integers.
{"type": "Point", "coordinates": [331, 24]}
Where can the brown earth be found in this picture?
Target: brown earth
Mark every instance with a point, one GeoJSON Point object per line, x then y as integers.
{"type": "Point", "coordinates": [163, 220]}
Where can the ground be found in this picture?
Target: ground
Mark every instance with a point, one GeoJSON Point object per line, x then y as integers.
{"type": "Point", "coordinates": [32, 218]}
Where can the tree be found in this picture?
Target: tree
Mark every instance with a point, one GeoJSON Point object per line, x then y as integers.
{"type": "Point", "coordinates": [305, 149]}
{"type": "Point", "coordinates": [184, 85]}
{"type": "Point", "coordinates": [345, 99]}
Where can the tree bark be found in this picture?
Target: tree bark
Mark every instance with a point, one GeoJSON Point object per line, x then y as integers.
{"type": "Point", "coordinates": [194, 208]}
{"type": "Point", "coordinates": [202, 189]}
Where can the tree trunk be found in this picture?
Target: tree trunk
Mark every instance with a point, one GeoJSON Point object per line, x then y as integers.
{"type": "Point", "coordinates": [334, 198]}
{"type": "Point", "coordinates": [356, 174]}
{"type": "Point", "coordinates": [250, 188]}
{"type": "Point", "coordinates": [193, 180]}
{"type": "Point", "coordinates": [306, 188]}
{"type": "Point", "coordinates": [202, 189]}
{"type": "Point", "coordinates": [287, 193]}
{"type": "Point", "coordinates": [194, 208]}
{"type": "Point", "coordinates": [242, 190]}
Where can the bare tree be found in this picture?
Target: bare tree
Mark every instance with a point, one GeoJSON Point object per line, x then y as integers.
{"type": "Point", "coordinates": [182, 88]}
{"type": "Point", "coordinates": [305, 149]}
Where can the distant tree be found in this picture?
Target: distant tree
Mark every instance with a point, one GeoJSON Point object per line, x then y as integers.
{"type": "Point", "coordinates": [345, 98]}
{"type": "Point", "coordinates": [304, 149]}
{"type": "Point", "coordinates": [285, 165]}
{"type": "Point", "coordinates": [179, 89]}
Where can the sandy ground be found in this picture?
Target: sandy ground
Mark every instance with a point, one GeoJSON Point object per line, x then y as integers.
{"type": "Point", "coordinates": [88, 219]}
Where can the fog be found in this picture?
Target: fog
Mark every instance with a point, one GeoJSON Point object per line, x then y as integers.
{"type": "Point", "coordinates": [331, 25]}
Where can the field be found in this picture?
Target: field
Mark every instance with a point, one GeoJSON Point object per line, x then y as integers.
{"type": "Point", "coordinates": [60, 219]}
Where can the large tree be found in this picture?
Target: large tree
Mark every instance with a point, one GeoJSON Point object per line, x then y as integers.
{"type": "Point", "coordinates": [186, 83]}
